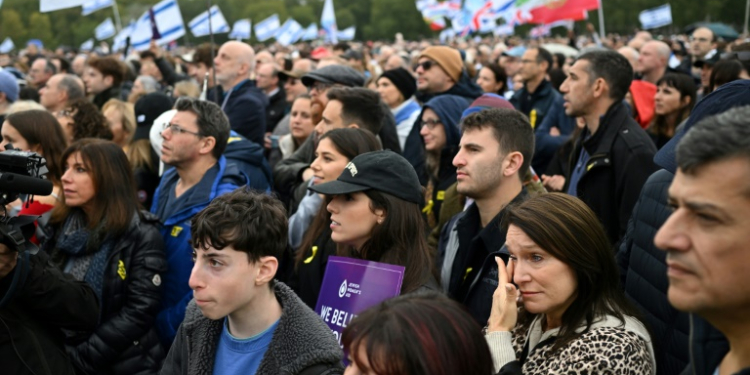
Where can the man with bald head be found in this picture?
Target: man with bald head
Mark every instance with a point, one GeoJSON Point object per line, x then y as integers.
{"type": "Point", "coordinates": [60, 90]}
{"type": "Point", "coordinates": [243, 103]}
{"type": "Point", "coordinates": [654, 60]}
{"type": "Point", "coordinates": [632, 55]}
{"type": "Point", "coordinates": [702, 46]}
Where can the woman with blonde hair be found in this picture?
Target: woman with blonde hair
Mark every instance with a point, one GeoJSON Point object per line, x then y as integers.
{"type": "Point", "coordinates": [121, 118]}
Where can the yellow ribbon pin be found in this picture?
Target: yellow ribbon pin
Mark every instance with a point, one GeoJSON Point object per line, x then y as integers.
{"type": "Point", "coordinates": [121, 270]}
{"type": "Point", "coordinates": [310, 259]}
{"type": "Point", "coordinates": [176, 231]}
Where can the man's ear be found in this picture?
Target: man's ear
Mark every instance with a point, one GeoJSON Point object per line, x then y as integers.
{"type": "Point", "coordinates": [353, 126]}
{"type": "Point", "coordinates": [512, 163]}
{"type": "Point", "coordinates": [267, 267]}
{"type": "Point", "coordinates": [109, 80]}
{"type": "Point", "coordinates": [208, 145]}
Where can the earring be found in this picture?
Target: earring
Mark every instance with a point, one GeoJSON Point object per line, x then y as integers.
{"type": "Point", "coordinates": [380, 221]}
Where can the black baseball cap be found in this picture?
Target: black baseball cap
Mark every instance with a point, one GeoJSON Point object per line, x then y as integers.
{"type": "Point", "coordinates": [384, 171]}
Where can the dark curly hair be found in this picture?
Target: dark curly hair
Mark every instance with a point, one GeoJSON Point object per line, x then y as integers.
{"type": "Point", "coordinates": [88, 122]}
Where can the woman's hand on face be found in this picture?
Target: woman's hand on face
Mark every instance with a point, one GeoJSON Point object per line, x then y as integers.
{"type": "Point", "coordinates": [504, 314]}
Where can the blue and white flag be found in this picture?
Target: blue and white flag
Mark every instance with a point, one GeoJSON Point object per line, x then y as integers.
{"type": "Point", "coordinates": [7, 45]}
{"type": "Point", "coordinates": [447, 35]}
{"type": "Point", "coordinates": [504, 30]}
{"type": "Point", "coordinates": [92, 6]}
{"type": "Point", "coordinates": [328, 22]}
{"type": "Point", "coordinates": [267, 28]}
{"type": "Point", "coordinates": [87, 45]}
{"type": "Point", "coordinates": [52, 5]}
{"type": "Point", "coordinates": [347, 34]}
{"type": "Point", "coordinates": [121, 37]}
{"type": "Point", "coordinates": [311, 32]}
{"type": "Point", "coordinates": [656, 17]}
{"type": "Point", "coordinates": [289, 33]}
{"type": "Point", "coordinates": [168, 21]}
{"type": "Point", "coordinates": [105, 29]}
{"type": "Point", "coordinates": [199, 25]}
{"type": "Point", "coordinates": [241, 30]}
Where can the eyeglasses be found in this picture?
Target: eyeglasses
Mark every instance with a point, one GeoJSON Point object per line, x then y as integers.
{"type": "Point", "coordinates": [320, 86]}
{"type": "Point", "coordinates": [430, 124]}
{"type": "Point", "coordinates": [702, 40]}
{"type": "Point", "coordinates": [176, 129]}
{"type": "Point", "coordinates": [426, 65]}
{"type": "Point", "coordinates": [528, 61]}
{"type": "Point", "coordinates": [64, 113]}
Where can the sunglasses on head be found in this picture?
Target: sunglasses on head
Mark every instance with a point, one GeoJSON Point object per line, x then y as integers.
{"type": "Point", "coordinates": [426, 65]}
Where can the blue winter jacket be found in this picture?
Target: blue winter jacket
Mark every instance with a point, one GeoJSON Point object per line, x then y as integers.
{"type": "Point", "coordinates": [176, 233]}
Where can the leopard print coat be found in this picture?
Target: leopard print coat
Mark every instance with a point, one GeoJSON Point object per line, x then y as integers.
{"type": "Point", "coordinates": [607, 348]}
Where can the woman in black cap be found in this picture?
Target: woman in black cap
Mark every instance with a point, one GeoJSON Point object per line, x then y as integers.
{"type": "Point", "coordinates": [309, 227]}
{"type": "Point", "coordinates": [397, 87]}
{"type": "Point", "coordinates": [375, 215]}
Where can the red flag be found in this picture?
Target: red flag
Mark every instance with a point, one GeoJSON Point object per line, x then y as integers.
{"type": "Point", "coordinates": [562, 10]}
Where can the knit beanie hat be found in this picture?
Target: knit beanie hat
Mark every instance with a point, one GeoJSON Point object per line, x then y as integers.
{"type": "Point", "coordinates": [487, 101]}
{"type": "Point", "coordinates": [403, 80]}
{"type": "Point", "coordinates": [448, 58]}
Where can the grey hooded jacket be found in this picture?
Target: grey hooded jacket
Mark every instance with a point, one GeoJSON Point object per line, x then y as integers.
{"type": "Point", "coordinates": [302, 343]}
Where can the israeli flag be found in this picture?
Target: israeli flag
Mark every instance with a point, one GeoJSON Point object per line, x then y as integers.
{"type": "Point", "coordinates": [267, 28]}
{"type": "Point", "coordinates": [289, 33]}
{"type": "Point", "coordinates": [199, 24]}
{"type": "Point", "coordinates": [168, 21]}
{"type": "Point", "coordinates": [241, 30]}
{"type": "Point", "coordinates": [105, 29]}
{"type": "Point", "coordinates": [121, 38]}
{"type": "Point", "coordinates": [347, 34]}
{"type": "Point", "coordinates": [656, 17]}
{"type": "Point", "coordinates": [92, 6]}
{"type": "Point", "coordinates": [311, 32]}
{"type": "Point", "coordinates": [328, 22]}
{"type": "Point", "coordinates": [52, 5]}
{"type": "Point", "coordinates": [7, 45]}
{"type": "Point", "coordinates": [87, 45]}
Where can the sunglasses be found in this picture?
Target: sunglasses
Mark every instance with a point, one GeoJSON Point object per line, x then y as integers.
{"type": "Point", "coordinates": [425, 65]}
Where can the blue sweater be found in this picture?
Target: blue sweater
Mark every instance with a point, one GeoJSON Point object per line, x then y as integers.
{"type": "Point", "coordinates": [241, 356]}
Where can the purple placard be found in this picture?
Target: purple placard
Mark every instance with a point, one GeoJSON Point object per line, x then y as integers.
{"type": "Point", "coordinates": [350, 286]}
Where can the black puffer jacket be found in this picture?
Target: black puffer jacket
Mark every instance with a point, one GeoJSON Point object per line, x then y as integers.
{"type": "Point", "coordinates": [125, 342]}
{"type": "Point", "coordinates": [36, 302]}
{"type": "Point", "coordinates": [643, 271]}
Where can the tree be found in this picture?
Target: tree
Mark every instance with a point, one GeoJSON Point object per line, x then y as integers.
{"type": "Point", "coordinates": [13, 27]}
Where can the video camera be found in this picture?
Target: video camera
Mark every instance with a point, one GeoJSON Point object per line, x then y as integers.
{"type": "Point", "coordinates": [21, 172]}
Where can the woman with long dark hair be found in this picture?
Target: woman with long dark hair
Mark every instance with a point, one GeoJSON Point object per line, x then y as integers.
{"type": "Point", "coordinates": [493, 79]}
{"type": "Point", "coordinates": [37, 131]}
{"type": "Point", "coordinates": [439, 128]}
{"type": "Point", "coordinates": [426, 334]}
{"type": "Point", "coordinates": [375, 215]}
{"type": "Point", "coordinates": [309, 227]}
{"type": "Point", "coordinates": [98, 235]}
{"type": "Point", "coordinates": [674, 99]}
{"type": "Point", "coordinates": [574, 317]}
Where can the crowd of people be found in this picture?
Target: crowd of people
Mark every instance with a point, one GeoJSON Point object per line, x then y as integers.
{"type": "Point", "coordinates": [554, 213]}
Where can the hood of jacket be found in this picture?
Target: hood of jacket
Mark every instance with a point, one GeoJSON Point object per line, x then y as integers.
{"type": "Point", "coordinates": [464, 87]}
{"type": "Point", "coordinates": [242, 150]}
{"type": "Point", "coordinates": [449, 108]}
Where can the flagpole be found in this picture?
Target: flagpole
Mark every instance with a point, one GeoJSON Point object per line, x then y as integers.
{"type": "Point", "coordinates": [117, 16]}
{"type": "Point", "coordinates": [747, 13]}
{"type": "Point", "coordinates": [601, 20]}
{"type": "Point", "coordinates": [213, 52]}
